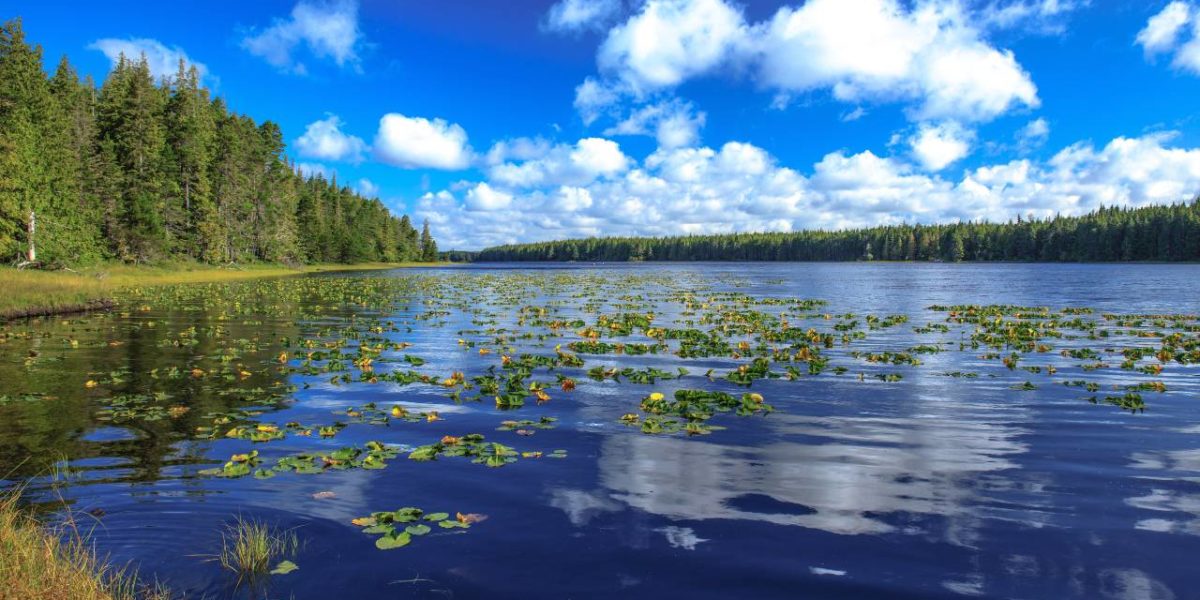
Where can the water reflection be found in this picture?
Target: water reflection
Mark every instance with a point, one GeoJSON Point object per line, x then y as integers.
{"type": "Point", "coordinates": [854, 471]}
{"type": "Point", "coordinates": [1174, 502]}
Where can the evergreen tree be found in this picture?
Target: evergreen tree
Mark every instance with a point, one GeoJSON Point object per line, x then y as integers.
{"type": "Point", "coordinates": [142, 170]}
{"type": "Point", "coordinates": [1160, 233]}
{"type": "Point", "coordinates": [429, 251]}
{"type": "Point", "coordinates": [27, 115]}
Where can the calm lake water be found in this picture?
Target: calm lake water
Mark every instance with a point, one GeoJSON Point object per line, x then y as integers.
{"type": "Point", "coordinates": [877, 477]}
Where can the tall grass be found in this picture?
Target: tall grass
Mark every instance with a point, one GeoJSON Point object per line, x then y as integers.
{"type": "Point", "coordinates": [51, 291]}
{"type": "Point", "coordinates": [249, 548]}
{"type": "Point", "coordinates": [37, 561]}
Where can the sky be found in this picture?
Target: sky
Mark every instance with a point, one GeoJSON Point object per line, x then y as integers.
{"type": "Point", "coordinates": [505, 121]}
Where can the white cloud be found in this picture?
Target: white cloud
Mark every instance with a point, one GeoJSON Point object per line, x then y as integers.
{"type": "Point", "coordinates": [930, 55]}
{"type": "Point", "coordinates": [938, 146]}
{"type": "Point", "coordinates": [367, 188]}
{"type": "Point", "coordinates": [562, 164]}
{"type": "Point", "coordinates": [670, 41]}
{"type": "Point", "coordinates": [1033, 134]}
{"type": "Point", "coordinates": [879, 50]}
{"type": "Point", "coordinates": [325, 140]}
{"type": "Point", "coordinates": [162, 60]}
{"type": "Point", "coordinates": [579, 15]}
{"type": "Point", "coordinates": [1188, 56]}
{"type": "Point", "coordinates": [673, 124]}
{"type": "Point", "coordinates": [854, 115]}
{"type": "Point", "coordinates": [740, 187]}
{"type": "Point", "coordinates": [1166, 31]}
{"type": "Point", "coordinates": [1162, 30]}
{"type": "Point", "coordinates": [593, 98]}
{"type": "Point", "coordinates": [517, 149]}
{"type": "Point", "coordinates": [328, 28]}
{"type": "Point", "coordinates": [415, 142]}
{"type": "Point", "coordinates": [484, 198]}
{"type": "Point", "coordinates": [1041, 15]}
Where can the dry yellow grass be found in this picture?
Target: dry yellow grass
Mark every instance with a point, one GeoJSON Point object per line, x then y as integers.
{"type": "Point", "coordinates": [36, 562]}
{"type": "Point", "coordinates": [24, 291]}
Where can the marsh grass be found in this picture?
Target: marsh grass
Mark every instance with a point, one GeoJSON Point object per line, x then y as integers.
{"type": "Point", "coordinates": [37, 561]}
{"type": "Point", "coordinates": [249, 549]}
{"type": "Point", "coordinates": [47, 292]}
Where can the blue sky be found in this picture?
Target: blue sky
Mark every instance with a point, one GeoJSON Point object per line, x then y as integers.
{"type": "Point", "coordinates": [522, 120]}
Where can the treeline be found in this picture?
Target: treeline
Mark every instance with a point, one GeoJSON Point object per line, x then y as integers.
{"type": "Point", "coordinates": [1154, 233]}
{"type": "Point", "coordinates": [139, 170]}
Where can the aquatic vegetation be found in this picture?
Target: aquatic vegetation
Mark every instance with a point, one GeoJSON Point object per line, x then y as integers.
{"type": "Point", "coordinates": [398, 528]}
{"type": "Point", "coordinates": [250, 550]}
{"type": "Point", "coordinates": [526, 425]}
{"type": "Point", "coordinates": [228, 385]}
{"type": "Point", "coordinates": [694, 408]}
{"type": "Point", "coordinates": [471, 445]}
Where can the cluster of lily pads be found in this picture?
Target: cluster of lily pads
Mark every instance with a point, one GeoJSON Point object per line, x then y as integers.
{"type": "Point", "coordinates": [474, 446]}
{"type": "Point", "coordinates": [398, 528]}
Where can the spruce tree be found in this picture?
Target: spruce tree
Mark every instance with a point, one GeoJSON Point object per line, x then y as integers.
{"type": "Point", "coordinates": [429, 252]}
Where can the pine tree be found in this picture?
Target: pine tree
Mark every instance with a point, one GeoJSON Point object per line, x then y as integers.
{"type": "Point", "coordinates": [27, 115]}
{"type": "Point", "coordinates": [130, 116]}
{"type": "Point", "coordinates": [190, 134]}
{"type": "Point", "coordinates": [429, 252]}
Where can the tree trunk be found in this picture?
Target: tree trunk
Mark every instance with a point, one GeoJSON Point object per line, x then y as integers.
{"type": "Point", "coordinates": [32, 254]}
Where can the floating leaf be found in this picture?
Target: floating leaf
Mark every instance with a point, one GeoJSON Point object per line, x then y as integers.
{"type": "Point", "coordinates": [284, 567]}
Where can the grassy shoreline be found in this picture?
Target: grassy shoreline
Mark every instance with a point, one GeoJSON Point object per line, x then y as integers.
{"type": "Point", "coordinates": [29, 293]}
{"type": "Point", "coordinates": [37, 561]}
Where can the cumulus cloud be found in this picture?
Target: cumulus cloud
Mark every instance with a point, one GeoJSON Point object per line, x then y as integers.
{"type": "Point", "coordinates": [415, 142]}
{"type": "Point", "coordinates": [327, 28]}
{"type": "Point", "coordinates": [937, 146]}
{"type": "Point", "coordinates": [325, 140]}
{"type": "Point", "coordinates": [1162, 31]}
{"type": "Point", "coordinates": [562, 164]}
{"type": "Point", "coordinates": [672, 40]}
{"type": "Point", "coordinates": [930, 55]}
{"type": "Point", "coordinates": [163, 60]}
{"type": "Point", "coordinates": [1168, 32]}
{"type": "Point", "coordinates": [880, 50]}
{"type": "Point", "coordinates": [741, 187]}
{"type": "Point", "coordinates": [484, 198]}
{"type": "Point", "coordinates": [579, 15]}
{"type": "Point", "coordinates": [673, 124]}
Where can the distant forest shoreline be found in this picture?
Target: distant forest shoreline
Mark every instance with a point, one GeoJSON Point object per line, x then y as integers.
{"type": "Point", "coordinates": [1160, 234]}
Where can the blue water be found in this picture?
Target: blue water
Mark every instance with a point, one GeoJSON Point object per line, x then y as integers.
{"type": "Point", "coordinates": [931, 486]}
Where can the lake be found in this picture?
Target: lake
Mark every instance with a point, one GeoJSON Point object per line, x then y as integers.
{"type": "Point", "coordinates": [842, 430]}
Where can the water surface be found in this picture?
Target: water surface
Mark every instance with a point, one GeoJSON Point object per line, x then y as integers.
{"type": "Point", "coordinates": [857, 485]}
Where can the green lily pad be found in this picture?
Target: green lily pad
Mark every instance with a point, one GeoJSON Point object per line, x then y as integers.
{"type": "Point", "coordinates": [393, 540]}
{"type": "Point", "coordinates": [417, 529]}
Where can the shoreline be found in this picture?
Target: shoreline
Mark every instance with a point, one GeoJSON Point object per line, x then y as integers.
{"type": "Point", "coordinates": [34, 294]}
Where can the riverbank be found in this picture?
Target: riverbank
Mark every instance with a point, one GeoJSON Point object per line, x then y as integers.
{"type": "Point", "coordinates": [41, 562]}
{"type": "Point", "coordinates": [31, 293]}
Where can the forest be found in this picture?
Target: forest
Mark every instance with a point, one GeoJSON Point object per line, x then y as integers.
{"type": "Point", "coordinates": [141, 171]}
{"type": "Point", "coordinates": [1152, 233]}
